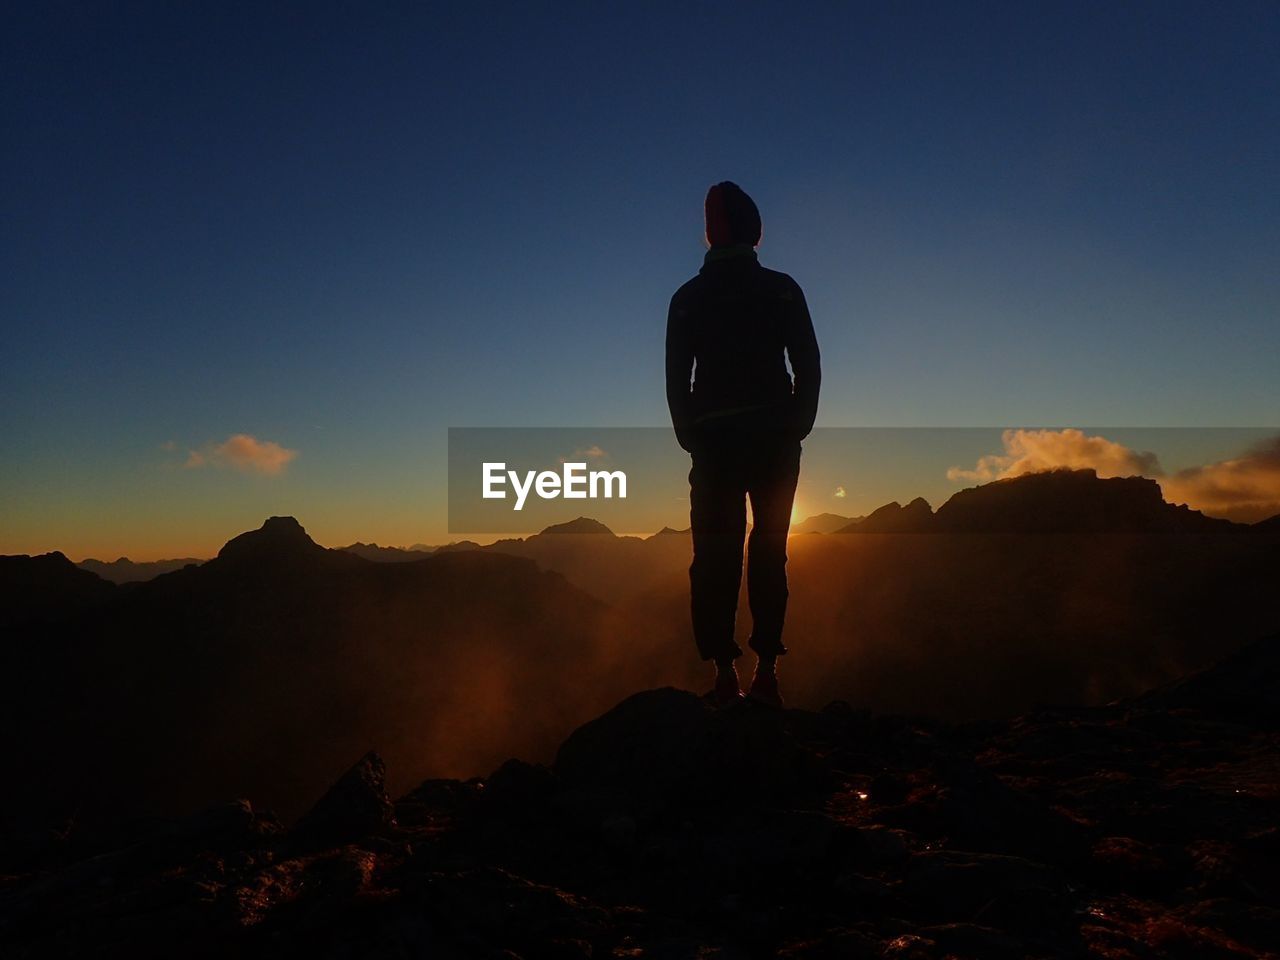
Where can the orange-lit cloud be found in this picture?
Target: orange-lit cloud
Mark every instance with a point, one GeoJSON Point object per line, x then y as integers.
{"type": "Point", "coordinates": [1032, 451]}
{"type": "Point", "coordinates": [593, 452]}
{"type": "Point", "coordinates": [1245, 489]}
{"type": "Point", "coordinates": [245, 453]}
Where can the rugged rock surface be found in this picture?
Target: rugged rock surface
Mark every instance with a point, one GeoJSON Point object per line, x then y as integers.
{"type": "Point", "coordinates": [664, 828]}
{"type": "Point", "coordinates": [356, 806]}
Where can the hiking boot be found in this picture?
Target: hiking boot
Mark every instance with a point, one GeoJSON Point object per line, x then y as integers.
{"type": "Point", "coordinates": [726, 690]}
{"type": "Point", "coordinates": [764, 689]}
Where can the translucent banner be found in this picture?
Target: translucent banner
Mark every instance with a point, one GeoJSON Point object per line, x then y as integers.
{"type": "Point", "coordinates": [634, 480]}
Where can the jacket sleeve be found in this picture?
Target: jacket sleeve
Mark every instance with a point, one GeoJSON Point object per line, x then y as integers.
{"type": "Point", "coordinates": [806, 363]}
{"type": "Point", "coordinates": [679, 371]}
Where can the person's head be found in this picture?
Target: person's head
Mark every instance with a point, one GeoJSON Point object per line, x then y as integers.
{"type": "Point", "coordinates": [732, 217]}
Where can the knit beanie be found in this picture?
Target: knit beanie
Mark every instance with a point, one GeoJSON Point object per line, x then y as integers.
{"type": "Point", "coordinates": [732, 217]}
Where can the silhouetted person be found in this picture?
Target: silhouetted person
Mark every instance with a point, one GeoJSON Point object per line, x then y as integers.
{"type": "Point", "coordinates": [737, 410]}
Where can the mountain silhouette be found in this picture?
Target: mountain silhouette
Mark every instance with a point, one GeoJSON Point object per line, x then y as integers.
{"type": "Point", "coordinates": [371, 551]}
{"type": "Point", "coordinates": [47, 587]}
{"type": "Point", "coordinates": [824, 523]}
{"type": "Point", "coordinates": [1070, 501]}
{"type": "Point", "coordinates": [610, 567]}
{"type": "Point", "coordinates": [1055, 501]}
{"type": "Point", "coordinates": [1270, 525]}
{"type": "Point", "coordinates": [671, 532]}
{"type": "Point", "coordinates": [124, 570]}
{"type": "Point", "coordinates": [286, 649]}
{"type": "Point", "coordinates": [580, 525]}
{"type": "Point", "coordinates": [280, 542]}
{"type": "Point", "coordinates": [915, 517]}
{"type": "Point", "coordinates": [459, 546]}
{"type": "Point", "coordinates": [303, 656]}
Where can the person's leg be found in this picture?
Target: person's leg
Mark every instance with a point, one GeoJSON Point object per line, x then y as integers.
{"type": "Point", "coordinates": [717, 514]}
{"type": "Point", "coordinates": [772, 491]}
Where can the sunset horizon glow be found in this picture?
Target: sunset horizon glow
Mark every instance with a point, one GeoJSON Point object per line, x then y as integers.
{"type": "Point", "coordinates": [249, 274]}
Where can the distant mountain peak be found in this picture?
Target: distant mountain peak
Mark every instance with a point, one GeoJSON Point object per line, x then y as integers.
{"type": "Point", "coordinates": [580, 525]}
{"type": "Point", "coordinates": [279, 538]}
{"type": "Point", "coordinates": [284, 526]}
{"type": "Point", "coordinates": [824, 523]}
{"type": "Point", "coordinates": [893, 517]}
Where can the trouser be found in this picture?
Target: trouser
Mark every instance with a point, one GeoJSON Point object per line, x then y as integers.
{"type": "Point", "coordinates": [724, 475]}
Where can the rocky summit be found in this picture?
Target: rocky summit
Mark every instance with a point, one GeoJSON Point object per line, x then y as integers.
{"type": "Point", "coordinates": [667, 829]}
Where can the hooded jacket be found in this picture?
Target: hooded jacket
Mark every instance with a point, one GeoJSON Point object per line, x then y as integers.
{"type": "Point", "coordinates": [730, 332]}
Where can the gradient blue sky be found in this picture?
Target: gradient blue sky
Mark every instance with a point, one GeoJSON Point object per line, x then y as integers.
{"type": "Point", "coordinates": [345, 229]}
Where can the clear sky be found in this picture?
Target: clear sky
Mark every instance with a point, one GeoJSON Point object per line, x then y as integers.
{"type": "Point", "coordinates": [339, 230]}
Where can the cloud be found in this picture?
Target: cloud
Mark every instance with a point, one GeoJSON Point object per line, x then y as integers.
{"type": "Point", "coordinates": [593, 452]}
{"type": "Point", "coordinates": [839, 494]}
{"type": "Point", "coordinates": [245, 453]}
{"type": "Point", "coordinates": [1245, 489]}
{"type": "Point", "coordinates": [1032, 451]}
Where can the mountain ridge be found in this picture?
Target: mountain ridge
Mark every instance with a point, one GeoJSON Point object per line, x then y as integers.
{"type": "Point", "coordinates": [965, 511]}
